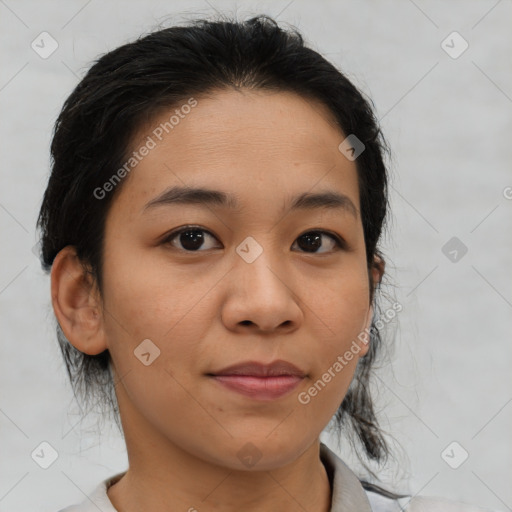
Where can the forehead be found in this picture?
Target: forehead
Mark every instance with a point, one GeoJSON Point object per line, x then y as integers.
{"type": "Point", "coordinates": [255, 144]}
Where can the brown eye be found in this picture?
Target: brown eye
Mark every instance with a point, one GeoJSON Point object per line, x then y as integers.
{"type": "Point", "coordinates": [313, 240]}
{"type": "Point", "coordinates": [190, 239]}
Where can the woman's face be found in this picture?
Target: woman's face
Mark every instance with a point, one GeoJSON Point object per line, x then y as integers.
{"type": "Point", "coordinates": [246, 286]}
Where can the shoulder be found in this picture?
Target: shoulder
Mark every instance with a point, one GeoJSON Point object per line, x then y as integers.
{"type": "Point", "coordinates": [382, 503]}
{"type": "Point", "coordinates": [349, 492]}
{"type": "Point", "coordinates": [98, 499]}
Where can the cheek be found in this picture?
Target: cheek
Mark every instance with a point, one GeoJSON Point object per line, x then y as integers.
{"type": "Point", "coordinates": [153, 336]}
{"type": "Point", "coordinates": [146, 299]}
{"type": "Point", "coordinates": [342, 317]}
{"type": "Point", "coordinates": [341, 303]}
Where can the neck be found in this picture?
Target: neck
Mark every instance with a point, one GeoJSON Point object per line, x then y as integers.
{"type": "Point", "coordinates": [163, 476]}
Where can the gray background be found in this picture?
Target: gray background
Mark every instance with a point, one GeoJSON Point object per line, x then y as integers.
{"type": "Point", "coordinates": [449, 124]}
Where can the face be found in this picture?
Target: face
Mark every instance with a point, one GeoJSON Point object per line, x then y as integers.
{"type": "Point", "coordinates": [253, 278]}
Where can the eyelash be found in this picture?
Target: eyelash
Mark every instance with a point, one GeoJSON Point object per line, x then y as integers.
{"type": "Point", "coordinates": [340, 242]}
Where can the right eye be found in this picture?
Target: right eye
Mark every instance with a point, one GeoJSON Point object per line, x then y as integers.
{"type": "Point", "coordinates": [191, 238]}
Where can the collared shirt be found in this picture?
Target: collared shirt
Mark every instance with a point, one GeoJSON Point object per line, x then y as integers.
{"type": "Point", "coordinates": [348, 494]}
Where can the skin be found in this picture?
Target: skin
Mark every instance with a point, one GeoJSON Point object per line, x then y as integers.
{"type": "Point", "coordinates": [209, 309]}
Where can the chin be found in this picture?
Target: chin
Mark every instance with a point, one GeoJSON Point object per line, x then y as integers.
{"type": "Point", "coordinates": [261, 453]}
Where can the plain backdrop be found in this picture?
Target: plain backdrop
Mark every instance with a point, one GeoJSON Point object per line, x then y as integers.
{"type": "Point", "coordinates": [448, 118]}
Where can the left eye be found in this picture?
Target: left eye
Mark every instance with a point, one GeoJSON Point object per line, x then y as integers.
{"type": "Point", "coordinates": [312, 240]}
{"type": "Point", "coordinates": [192, 239]}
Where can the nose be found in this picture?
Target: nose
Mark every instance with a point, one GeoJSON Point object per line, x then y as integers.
{"type": "Point", "coordinates": [262, 296]}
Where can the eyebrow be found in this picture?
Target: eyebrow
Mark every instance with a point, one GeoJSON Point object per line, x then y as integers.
{"type": "Point", "coordinates": [204, 196]}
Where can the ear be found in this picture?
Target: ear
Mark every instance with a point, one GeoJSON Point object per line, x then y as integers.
{"type": "Point", "coordinates": [364, 336]}
{"type": "Point", "coordinates": [377, 271]}
{"type": "Point", "coordinates": [77, 303]}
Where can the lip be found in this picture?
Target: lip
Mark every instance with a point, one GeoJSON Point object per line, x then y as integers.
{"type": "Point", "coordinates": [260, 381]}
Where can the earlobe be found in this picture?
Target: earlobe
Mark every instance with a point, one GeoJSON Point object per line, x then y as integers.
{"type": "Point", "coordinates": [76, 303]}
